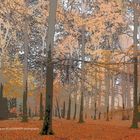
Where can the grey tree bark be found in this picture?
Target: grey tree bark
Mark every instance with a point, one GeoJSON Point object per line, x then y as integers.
{"type": "Point", "coordinates": [47, 125]}
{"type": "Point", "coordinates": [81, 114]}
{"type": "Point", "coordinates": [107, 92]}
{"type": "Point", "coordinates": [41, 96]}
{"type": "Point", "coordinates": [135, 73]}
{"type": "Point", "coordinates": [25, 71]}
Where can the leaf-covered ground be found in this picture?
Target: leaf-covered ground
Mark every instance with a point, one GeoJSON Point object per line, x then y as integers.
{"type": "Point", "coordinates": [70, 130]}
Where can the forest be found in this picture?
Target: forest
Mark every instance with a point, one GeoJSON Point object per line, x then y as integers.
{"type": "Point", "coordinates": [69, 69]}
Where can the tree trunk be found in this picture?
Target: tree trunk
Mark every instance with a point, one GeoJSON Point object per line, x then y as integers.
{"type": "Point", "coordinates": [129, 106]}
{"type": "Point", "coordinates": [35, 113]}
{"type": "Point", "coordinates": [1, 91]}
{"type": "Point", "coordinates": [41, 111]}
{"type": "Point", "coordinates": [123, 112]}
{"type": "Point", "coordinates": [123, 96]}
{"type": "Point", "coordinates": [75, 105]}
{"type": "Point", "coordinates": [47, 125]}
{"type": "Point", "coordinates": [95, 110]}
{"type": "Point", "coordinates": [112, 97]}
{"type": "Point", "coordinates": [30, 113]}
{"type": "Point", "coordinates": [75, 111]}
{"type": "Point", "coordinates": [24, 115]}
{"type": "Point", "coordinates": [25, 72]}
{"type": "Point", "coordinates": [59, 114]}
{"type": "Point", "coordinates": [107, 82]}
{"type": "Point", "coordinates": [135, 80]}
{"type": "Point", "coordinates": [69, 109]}
{"type": "Point", "coordinates": [95, 96]}
{"type": "Point", "coordinates": [81, 114]}
{"type": "Point", "coordinates": [41, 108]}
{"type": "Point", "coordinates": [107, 86]}
{"type": "Point", "coordinates": [99, 115]}
{"type": "Point", "coordinates": [55, 112]}
{"type": "Point", "coordinates": [64, 110]}
{"type": "Point", "coordinates": [99, 100]}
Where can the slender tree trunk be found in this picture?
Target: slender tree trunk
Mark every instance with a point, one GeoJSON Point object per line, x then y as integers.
{"type": "Point", "coordinates": [59, 114]}
{"type": "Point", "coordinates": [30, 113]}
{"type": "Point", "coordinates": [41, 108]}
{"type": "Point", "coordinates": [95, 110]}
{"type": "Point", "coordinates": [139, 81]}
{"type": "Point", "coordinates": [107, 118]}
{"type": "Point", "coordinates": [123, 84]}
{"type": "Point", "coordinates": [1, 91]}
{"type": "Point", "coordinates": [99, 100]}
{"type": "Point", "coordinates": [81, 115]}
{"type": "Point", "coordinates": [107, 85]}
{"type": "Point", "coordinates": [129, 106]}
{"type": "Point", "coordinates": [95, 96]}
{"type": "Point", "coordinates": [135, 60]}
{"type": "Point", "coordinates": [1, 56]}
{"type": "Point", "coordinates": [47, 125]}
{"type": "Point", "coordinates": [35, 113]}
{"type": "Point", "coordinates": [99, 115]}
{"type": "Point", "coordinates": [69, 109]}
{"type": "Point", "coordinates": [107, 82]}
{"type": "Point", "coordinates": [24, 116]}
{"type": "Point", "coordinates": [123, 111]}
{"type": "Point", "coordinates": [112, 97]}
{"type": "Point", "coordinates": [25, 72]}
{"type": "Point", "coordinates": [55, 112]}
{"type": "Point", "coordinates": [64, 109]}
{"type": "Point", "coordinates": [41, 111]}
{"type": "Point", "coordinates": [75, 104]}
{"type": "Point", "coordinates": [75, 111]}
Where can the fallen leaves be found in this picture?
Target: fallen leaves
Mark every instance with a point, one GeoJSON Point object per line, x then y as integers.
{"type": "Point", "coordinates": [71, 130]}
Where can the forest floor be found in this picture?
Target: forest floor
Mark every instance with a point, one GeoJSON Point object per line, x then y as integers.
{"type": "Point", "coordinates": [69, 130]}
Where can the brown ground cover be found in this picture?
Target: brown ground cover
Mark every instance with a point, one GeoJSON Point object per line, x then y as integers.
{"type": "Point", "coordinates": [70, 130]}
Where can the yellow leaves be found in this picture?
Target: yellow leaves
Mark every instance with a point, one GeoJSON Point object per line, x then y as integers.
{"type": "Point", "coordinates": [78, 20]}
{"type": "Point", "coordinates": [103, 54]}
{"type": "Point", "coordinates": [30, 94]}
{"type": "Point", "coordinates": [31, 85]}
{"type": "Point", "coordinates": [57, 88]}
{"type": "Point", "coordinates": [14, 85]}
{"type": "Point", "coordinates": [13, 79]}
{"type": "Point", "coordinates": [16, 94]}
{"type": "Point", "coordinates": [60, 15]}
{"type": "Point", "coordinates": [106, 53]}
{"type": "Point", "coordinates": [67, 45]}
{"type": "Point", "coordinates": [6, 90]}
{"type": "Point", "coordinates": [11, 90]}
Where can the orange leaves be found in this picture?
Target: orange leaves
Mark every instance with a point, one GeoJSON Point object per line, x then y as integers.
{"type": "Point", "coordinates": [57, 88]}
{"type": "Point", "coordinates": [13, 79]}
{"type": "Point", "coordinates": [79, 21]}
{"type": "Point", "coordinates": [70, 130]}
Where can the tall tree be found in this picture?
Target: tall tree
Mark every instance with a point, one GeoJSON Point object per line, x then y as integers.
{"type": "Point", "coordinates": [41, 97]}
{"type": "Point", "coordinates": [25, 71]}
{"type": "Point", "coordinates": [135, 72]}
{"type": "Point", "coordinates": [81, 114]}
{"type": "Point", "coordinates": [47, 125]}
